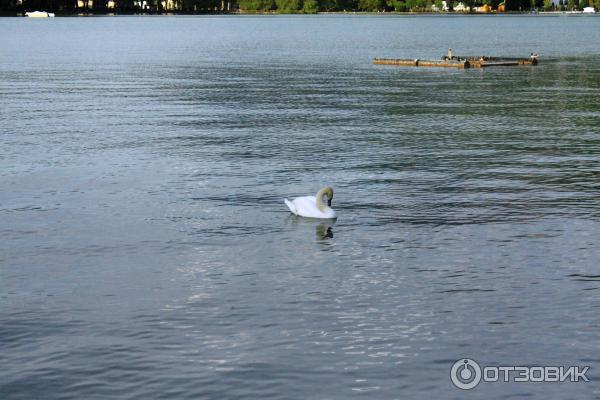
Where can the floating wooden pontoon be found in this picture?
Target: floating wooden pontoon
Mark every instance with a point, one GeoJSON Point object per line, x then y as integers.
{"type": "Point", "coordinates": [423, 63]}
{"type": "Point", "coordinates": [450, 61]}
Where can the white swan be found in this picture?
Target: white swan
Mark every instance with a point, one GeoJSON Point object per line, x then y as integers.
{"type": "Point", "coordinates": [313, 206]}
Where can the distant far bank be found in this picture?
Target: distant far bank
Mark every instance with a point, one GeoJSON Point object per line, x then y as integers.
{"type": "Point", "coordinates": [275, 13]}
{"type": "Point", "coordinates": [268, 7]}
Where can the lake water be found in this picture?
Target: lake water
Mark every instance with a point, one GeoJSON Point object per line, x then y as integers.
{"type": "Point", "coordinates": [145, 251]}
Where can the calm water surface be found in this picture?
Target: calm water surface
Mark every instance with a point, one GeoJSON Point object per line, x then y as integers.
{"type": "Point", "coordinates": [145, 251]}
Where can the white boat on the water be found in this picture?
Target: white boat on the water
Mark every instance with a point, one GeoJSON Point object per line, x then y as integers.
{"type": "Point", "coordinates": [39, 14]}
{"type": "Point", "coordinates": [589, 10]}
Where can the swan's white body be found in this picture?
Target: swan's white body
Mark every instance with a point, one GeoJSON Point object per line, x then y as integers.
{"type": "Point", "coordinates": [309, 207]}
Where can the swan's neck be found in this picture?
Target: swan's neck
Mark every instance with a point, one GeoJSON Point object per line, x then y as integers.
{"type": "Point", "coordinates": [320, 204]}
{"type": "Point", "coordinates": [325, 192]}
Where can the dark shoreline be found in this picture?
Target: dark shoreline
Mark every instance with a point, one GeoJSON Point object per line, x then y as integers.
{"type": "Point", "coordinates": [367, 13]}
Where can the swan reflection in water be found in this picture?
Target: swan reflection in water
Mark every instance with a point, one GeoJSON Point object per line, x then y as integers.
{"type": "Point", "coordinates": [324, 231]}
{"type": "Point", "coordinates": [323, 228]}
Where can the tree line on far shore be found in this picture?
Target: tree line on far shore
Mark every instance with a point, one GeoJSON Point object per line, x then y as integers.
{"type": "Point", "coordinates": [311, 6]}
{"type": "Point", "coordinates": [278, 6]}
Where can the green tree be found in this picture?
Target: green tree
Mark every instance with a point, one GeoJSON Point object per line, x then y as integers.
{"type": "Point", "coordinates": [347, 5]}
{"type": "Point", "coordinates": [439, 5]}
{"type": "Point", "coordinates": [8, 5]}
{"type": "Point", "coordinates": [525, 5]}
{"type": "Point", "coordinates": [126, 5]}
{"type": "Point", "coordinates": [548, 5]}
{"type": "Point", "coordinates": [371, 5]}
{"type": "Point", "coordinates": [583, 4]}
{"type": "Point", "coordinates": [397, 5]}
{"type": "Point", "coordinates": [255, 5]}
{"type": "Point", "coordinates": [287, 6]}
{"type": "Point", "coordinates": [571, 5]}
{"type": "Point", "coordinates": [326, 5]}
{"type": "Point", "coordinates": [310, 7]}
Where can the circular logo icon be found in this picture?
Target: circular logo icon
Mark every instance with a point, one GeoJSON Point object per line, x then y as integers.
{"type": "Point", "coordinates": [465, 374]}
